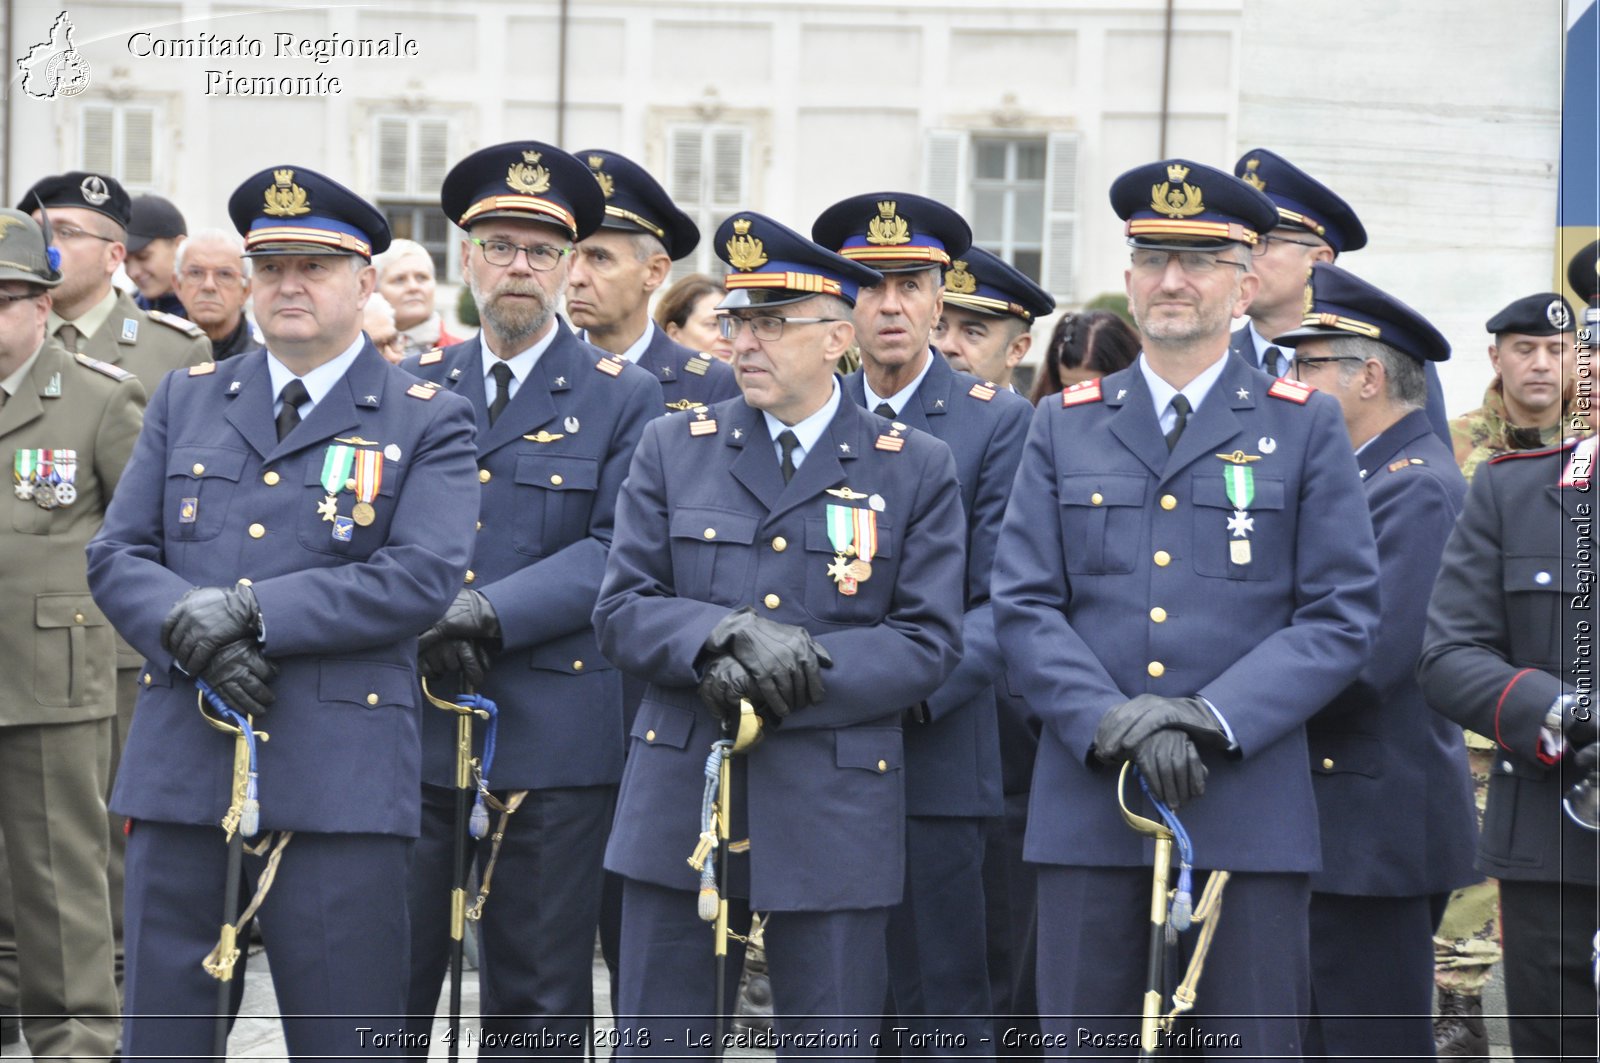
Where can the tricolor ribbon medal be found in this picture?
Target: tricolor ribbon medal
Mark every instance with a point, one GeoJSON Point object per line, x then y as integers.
{"type": "Point", "coordinates": [854, 535]}
{"type": "Point", "coordinates": [369, 477]}
{"type": "Point", "coordinates": [336, 465]}
{"type": "Point", "coordinates": [24, 470]}
{"type": "Point", "coordinates": [1240, 483]}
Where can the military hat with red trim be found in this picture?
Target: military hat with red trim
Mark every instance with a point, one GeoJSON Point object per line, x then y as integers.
{"type": "Point", "coordinates": [636, 202]}
{"type": "Point", "coordinates": [985, 283]}
{"type": "Point", "coordinates": [292, 210]}
{"type": "Point", "coordinates": [893, 232]}
{"type": "Point", "coordinates": [1303, 202]}
{"type": "Point", "coordinates": [1176, 204]}
{"type": "Point", "coordinates": [773, 265]}
{"type": "Point", "coordinates": [524, 179]}
{"type": "Point", "coordinates": [1340, 304]}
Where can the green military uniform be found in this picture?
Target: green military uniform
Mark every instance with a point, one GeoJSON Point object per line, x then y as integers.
{"type": "Point", "coordinates": [58, 704]}
{"type": "Point", "coordinates": [1485, 432]}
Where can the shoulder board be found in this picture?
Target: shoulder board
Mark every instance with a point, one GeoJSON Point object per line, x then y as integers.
{"type": "Point", "coordinates": [610, 365]}
{"type": "Point", "coordinates": [433, 357]}
{"type": "Point", "coordinates": [1403, 463]}
{"type": "Point", "coordinates": [697, 365]}
{"type": "Point", "coordinates": [1291, 391]}
{"type": "Point", "coordinates": [203, 369]}
{"type": "Point", "coordinates": [983, 392]}
{"type": "Point", "coordinates": [173, 321]}
{"type": "Point", "coordinates": [1543, 452]}
{"type": "Point", "coordinates": [1080, 393]}
{"type": "Point", "coordinates": [424, 392]}
{"type": "Point", "coordinates": [893, 440]}
{"type": "Point", "coordinates": [106, 368]}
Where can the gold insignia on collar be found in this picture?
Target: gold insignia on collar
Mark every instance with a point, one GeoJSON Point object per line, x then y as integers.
{"type": "Point", "coordinates": [1184, 202]}
{"type": "Point", "coordinates": [608, 184]}
{"type": "Point", "coordinates": [745, 252]}
{"type": "Point", "coordinates": [527, 176]}
{"type": "Point", "coordinates": [285, 199]}
{"type": "Point", "coordinates": [846, 494]}
{"type": "Point", "coordinates": [887, 227]}
{"type": "Point", "coordinates": [959, 280]}
{"type": "Point", "coordinates": [1253, 179]}
{"type": "Point", "coordinates": [1239, 457]}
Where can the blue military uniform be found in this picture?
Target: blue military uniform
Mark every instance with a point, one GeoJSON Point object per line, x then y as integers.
{"type": "Point", "coordinates": [688, 378]}
{"type": "Point", "coordinates": [705, 525]}
{"type": "Point", "coordinates": [212, 497]}
{"type": "Point", "coordinates": [1116, 560]}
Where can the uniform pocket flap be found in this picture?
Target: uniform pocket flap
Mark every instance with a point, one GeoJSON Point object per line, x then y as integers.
{"type": "Point", "coordinates": [1103, 489]}
{"type": "Point", "coordinates": [574, 654]}
{"type": "Point", "coordinates": [1540, 574]}
{"type": "Point", "coordinates": [665, 725]}
{"type": "Point", "coordinates": [876, 749]}
{"type": "Point", "coordinates": [66, 610]}
{"type": "Point", "coordinates": [1267, 493]}
{"type": "Point", "coordinates": [714, 526]}
{"type": "Point", "coordinates": [1345, 753]}
{"type": "Point", "coordinates": [558, 472]}
{"type": "Point", "coordinates": [365, 683]}
{"type": "Point", "coordinates": [819, 542]}
{"type": "Point", "coordinates": [199, 463]}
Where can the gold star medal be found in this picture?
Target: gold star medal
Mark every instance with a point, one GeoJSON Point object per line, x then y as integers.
{"type": "Point", "coordinates": [328, 508]}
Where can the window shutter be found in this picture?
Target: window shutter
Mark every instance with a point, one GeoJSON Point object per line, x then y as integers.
{"type": "Point", "coordinates": [684, 167]}
{"type": "Point", "coordinates": [433, 154]}
{"type": "Point", "coordinates": [98, 131]}
{"type": "Point", "coordinates": [1060, 263]}
{"type": "Point", "coordinates": [944, 167]}
{"type": "Point", "coordinates": [727, 163]}
{"type": "Point", "coordinates": [138, 147]}
{"type": "Point", "coordinates": [393, 163]}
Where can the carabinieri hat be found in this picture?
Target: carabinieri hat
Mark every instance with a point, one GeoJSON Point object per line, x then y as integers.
{"type": "Point", "coordinates": [1303, 202]}
{"type": "Point", "coordinates": [893, 232]}
{"type": "Point", "coordinates": [100, 193]}
{"type": "Point", "coordinates": [524, 179]}
{"type": "Point", "coordinates": [1342, 304]}
{"type": "Point", "coordinates": [774, 265]}
{"type": "Point", "coordinates": [988, 284]}
{"type": "Point", "coordinates": [1545, 314]}
{"type": "Point", "coordinates": [636, 202]}
{"type": "Point", "coordinates": [1180, 205]}
{"type": "Point", "coordinates": [290, 210]}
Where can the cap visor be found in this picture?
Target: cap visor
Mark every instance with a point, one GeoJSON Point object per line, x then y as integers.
{"type": "Point", "coordinates": [1310, 332]}
{"type": "Point", "coordinates": [745, 298]}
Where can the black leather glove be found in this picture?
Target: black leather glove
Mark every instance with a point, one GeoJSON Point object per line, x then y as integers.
{"type": "Point", "coordinates": [241, 676]}
{"type": "Point", "coordinates": [1580, 726]}
{"type": "Point", "coordinates": [725, 682]}
{"type": "Point", "coordinates": [470, 616]}
{"type": "Point", "coordinates": [205, 620]}
{"type": "Point", "coordinates": [466, 656]}
{"type": "Point", "coordinates": [1123, 729]}
{"type": "Point", "coordinates": [784, 661]}
{"type": "Point", "coordinates": [1171, 767]}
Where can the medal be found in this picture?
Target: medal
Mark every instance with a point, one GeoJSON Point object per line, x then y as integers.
{"type": "Point", "coordinates": [854, 535]}
{"type": "Point", "coordinates": [865, 523]}
{"type": "Point", "coordinates": [328, 508]}
{"type": "Point", "coordinates": [65, 475]}
{"type": "Point", "coordinates": [44, 490]}
{"type": "Point", "coordinates": [368, 478]}
{"type": "Point", "coordinates": [343, 529]}
{"type": "Point", "coordinates": [23, 469]}
{"type": "Point", "coordinates": [1239, 481]}
{"type": "Point", "coordinates": [336, 463]}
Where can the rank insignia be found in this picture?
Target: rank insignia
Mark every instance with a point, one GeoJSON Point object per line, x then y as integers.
{"type": "Point", "coordinates": [1080, 393]}
{"type": "Point", "coordinates": [433, 357]}
{"type": "Point", "coordinates": [701, 426]}
{"type": "Point", "coordinates": [888, 228]}
{"type": "Point", "coordinates": [528, 176]}
{"type": "Point", "coordinates": [983, 392]}
{"type": "Point", "coordinates": [959, 280]}
{"type": "Point", "coordinates": [544, 436]}
{"type": "Point", "coordinates": [610, 365]}
{"type": "Point", "coordinates": [1184, 201]}
{"type": "Point", "coordinates": [284, 198]}
{"type": "Point", "coordinates": [745, 251]}
{"type": "Point", "coordinates": [420, 391]}
{"type": "Point", "coordinates": [1290, 390]}
{"type": "Point", "coordinates": [455, 374]}
{"type": "Point", "coordinates": [188, 510]}
{"type": "Point", "coordinates": [697, 365]}
{"type": "Point", "coordinates": [893, 442]}
{"type": "Point", "coordinates": [203, 369]}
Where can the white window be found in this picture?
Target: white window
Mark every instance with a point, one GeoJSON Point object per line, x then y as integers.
{"type": "Point", "coordinates": [412, 157]}
{"type": "Point", "coordinates": [120, 140]}
{"type": "Point", "coordinates": [1020, 194]}
{"type": "Point", "coordinates": [707, 168]}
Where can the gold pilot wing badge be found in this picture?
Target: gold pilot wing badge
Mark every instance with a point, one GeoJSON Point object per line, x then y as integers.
{"type": "Point", "coordinates": [528, 176]}
{"type": "Point", "coordinates": [284, 198]}
{"type": "Point", "coordinates": [1185, 201]}
{"type": "Point", "coordinates": [959, 280]}
{"type": "Point", "coordinates": [888, 227]}
{"type": "Point", "coordinates": [745, 251]}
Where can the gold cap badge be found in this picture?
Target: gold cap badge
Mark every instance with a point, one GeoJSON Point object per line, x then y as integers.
{"type": "Point", "coordinates": [284, 198]}
{"type": "Point", "coordinates": [959, 280]}
{"type": "Point", "coordinates": [608, 185]}
{"type": "Point", "coordinates": [1183, 202]}
{"type": "Point", "coordinates": [1253, 179]}
{"type": "Point", "coordinates": [745, 252]}
{"type": "Point", "coordinates": [527, 176]}
{"type": "Point", "coordinates": [887, 227]}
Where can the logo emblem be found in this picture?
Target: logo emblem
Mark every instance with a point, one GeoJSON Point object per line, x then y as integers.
{"type": "Point", "coordinates": [94, 190]}
{"type": "Point", "coordinates": [608, 184]}
{"type": "Point", "coordinates": [284, 198]}
{"type": "Point", "coordinates": [887, 227]}
{"type": "Point", "coordinates": [960, 282]}
{"type": "Point", "coordinates": [1182, 202]}
{"type": "Point", "coordinates": [1556, 313]}
{"type": "Point", "coordinates": [54, 67]}
{"type": "Point", "coordinates": [527, 176]}
{"type": "Point", "coordinates": [745, 252]}
{"type": "Point", "coordinates": [1252, 178]}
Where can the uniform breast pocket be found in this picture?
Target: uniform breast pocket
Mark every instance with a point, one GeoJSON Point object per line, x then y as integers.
{"type": "Point", "coordinates": [711, 553]}
{"type": "Point", "coordinates": [1537, 588]}
{"type": "Point", "coordinates": [1265, 530]}
{"type": "Point", "coordinates": [1101, 521]}
{"type": "Point", "coordinates": [554, 497]}
{"type": "Point", "coordinates": [336, 528]}
{"type": "Point", "coordinates": [201, 484]}
{"type": "Point", "coordinates": [826, 597]}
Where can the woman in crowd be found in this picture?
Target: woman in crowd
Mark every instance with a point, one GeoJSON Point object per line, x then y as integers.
{"type": "Point", "coordinates": [1082, 347]}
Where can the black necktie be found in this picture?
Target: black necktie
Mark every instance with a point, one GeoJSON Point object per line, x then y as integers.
{"type": "Point", "coordinates": [68, 335]}
{"type": "Point", "coordinates": [292, 395]}
{"type": "Point", "coordinates": [1272, 362]}
{"type": "Point", "coordinates": [885, 410]}
{"type": "Point", "coordinates": [502, 389]}
{"type": "Point", "coordinates": [1180, 404]}
{"type": "Point", "coordinates": [788, 441]}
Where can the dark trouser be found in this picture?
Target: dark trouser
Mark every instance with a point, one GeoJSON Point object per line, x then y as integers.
{"type": "Point", "coordinates": [1549, 933]}
{"type": "Point", "coordinates": [1094, 929]}
{"type": "Point", "coordinates": [537, 933]}
{"type": "Point", "coordinates": [1011, 906]}
{"type": "Point", "coordinates": [334, 924]}
{"type": "Point", "coordinates": [828, 977]}
{"type": "Point", "coordinates": [1372, 976]}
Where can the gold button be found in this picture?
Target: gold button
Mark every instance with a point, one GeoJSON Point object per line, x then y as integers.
{"type": "Point", "coordinates": [198, 468]}
{"type": "Point", "coordinates": [483, 476]}
{"type": "Point", "coordinates": [1097, 498]}
{"type": "Point", "coordinates": [711, 533]}
{"type": "Point", "coordinates": [77, 618]}
{"type": "Point", "coordinates": [772, 601]}
{"type": "Point", "coordinates": [1156, 669]}
{"type": "Point", "coordinates": [780, 544]}
{"type": "Point", "coordinates": [1327, 763]}
{"type": "Point", "coordinates": [349, 485]}
{"type": "Point", "coordinates": [257, 531]}
{"type": "Point", "coordinates": [479, 527]}
{"type": "Point", "coordinates": [146, 679]}
{"type": "Point", "coordinates": [372, 699]}
{"type": "Point", "coordinates": [270, 478]}
{"type": "Point", "coordinates": [883, 765]}
{"type": "Point", "coordinates": [1159, 615]}
{"type": "Point", "coordinates": [1163, 559]}
{"type": "Point", "coordinates": [471, 575]}
{"type": "Point", "coordinates": [577, 666]}
{"type": "Point", "coordinates": [1169, 502]}
{"type": "Point", "coordinates": [557, 480]}
{"type": "Point", "coordinates": [243, 582]}
{"type": "Point", "coordinates": [649, 736]}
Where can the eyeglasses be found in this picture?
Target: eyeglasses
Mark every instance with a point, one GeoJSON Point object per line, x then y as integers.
{"type": "Point", "coordinates": [1266, 241]}
{"type": "Point", "coordinates": [766, 326]}
{"type": "Point", "coordinates": [1301, 362]}
{"type": "Point", "coordinates": [197, 276]}
{"type": "Point", "coordinates": [541, 257]}
{"type": "Point", "coordinates": [7, 298]}
{"type": "Point", "coordinates": [1151, 260]}
{"type": "Point", "coordinates": [72, 232]}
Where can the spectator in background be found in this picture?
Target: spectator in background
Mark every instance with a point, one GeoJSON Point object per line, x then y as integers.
{"type": "Point", "coordinates": [377, 320]}
{"type": "Point", "coordinates": [405, 279]}
{"type": "Point", "coordinates": [1082, 347]}
{"type": "Point", "coordinates": [212, 277]}
{"type": "Point", "coordinates": [687, 313]}
{"type": "Point", "coordinates": [155, 233]}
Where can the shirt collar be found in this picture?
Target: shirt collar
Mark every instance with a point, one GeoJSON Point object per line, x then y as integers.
{"type": "Point", "coordinates": [88, 322]}
{"type": "Point", "coordinates": [899, 399]}
{"type": "Point", "coordinates": [1261, 344]}
{"type": "Point", "coordinates": [1195, 391]}
{"type": "Point", "coordinates": [13, 383]}
{"type": "Point", "coordinates": [523, 362]}
{"type": "Point", "coordinates": [318, 381]}
{"type": "Point", "coordinates": [635, 352]}
{"type": "Point", "coordinates": [809, 430]}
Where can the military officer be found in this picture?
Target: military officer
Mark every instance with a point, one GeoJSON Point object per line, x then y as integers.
{"type": "Point", "coordinates": [1314, 225]}
{"type": "Point", "coordinates": [1394, 794]}
{"type": "Point", "coordinates": [70, 423]}
{"type": "Point", "coordinates": [937, 951]}
{"type": "Point", "coordinates": [616, 270]}
{"type": "Point", "coordinates": [557, 424]}
{"type": "Point", "coordinates": [985, 327]}
{"type": "Point", "coordinates": [758, 542]}
{"type": "Point", "coordinates": [290, 520]}
{"type": "Point", "coordinates": [1508, 652]}
{"type": "Point", "coordinates": [1148, 504]}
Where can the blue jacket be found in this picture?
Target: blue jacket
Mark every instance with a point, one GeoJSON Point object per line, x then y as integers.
{"type": "Point", "coordinates": [1394, 793]}
{"type": "Point", "coordinates": [546, 518]}
{"type": "Point", "coordinates": [953, 760]}
{"type": "Point", "coordinates": [687, 378]}
{"type": "Point", "coordinates": [1116, 577]}
{"type": "Point", "coordinates": [706, 525]}
{"type": "Point", "coordinates": [211, 497]}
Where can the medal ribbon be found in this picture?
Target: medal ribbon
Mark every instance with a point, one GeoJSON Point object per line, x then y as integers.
{"type": "Point", "coordinates": [369, 474]}
{"type": "Point", "coordinates": [841, 527]}
{"type": "Point", "coordinates": [866, 533]}
{"type": "Point", "coordinates": [336, 467]}
{"type": "Point", "coordinates": [25, 466]}
{"type": "Point", "coordinates": [66, 466]}
{"type": "Point", "coordinates": [46, 470]}
{"type": "Point", "coordinates": [1240, 482]}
